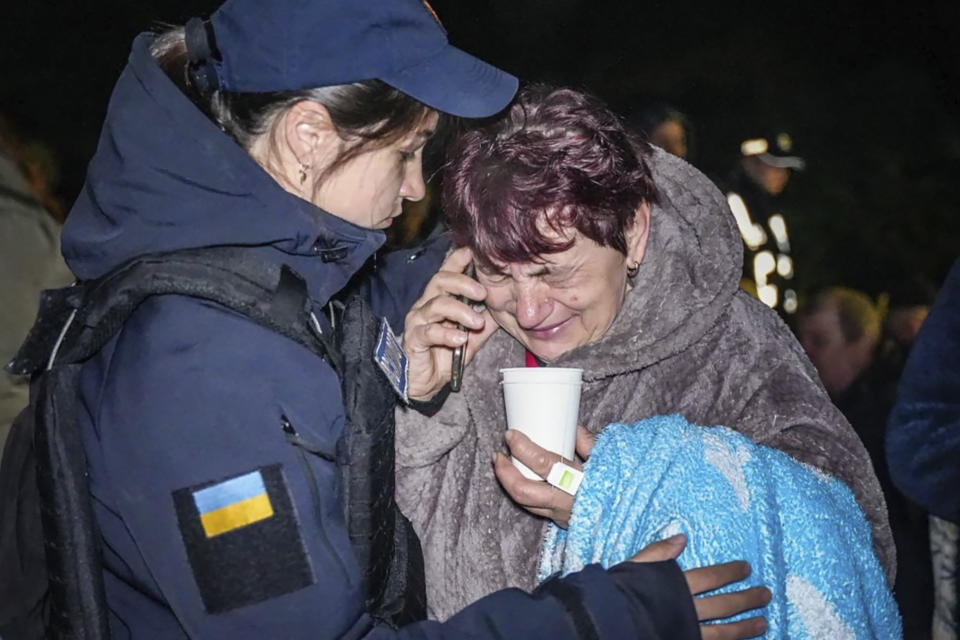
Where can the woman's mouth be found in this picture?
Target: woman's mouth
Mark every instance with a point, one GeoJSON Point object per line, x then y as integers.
{"type": "Point", "coordinates": [547, 332]}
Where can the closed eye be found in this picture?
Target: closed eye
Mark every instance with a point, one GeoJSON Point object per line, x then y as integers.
{"type": "Point", "coordinates": [491, 277]}
{"type": "Point", "coordinates": [559, 277]}
{"type": "Point", "coordinates": [494, 278]}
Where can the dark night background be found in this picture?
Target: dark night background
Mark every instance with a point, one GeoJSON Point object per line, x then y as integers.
{"type": "Point", "coordinates": [869, 92]}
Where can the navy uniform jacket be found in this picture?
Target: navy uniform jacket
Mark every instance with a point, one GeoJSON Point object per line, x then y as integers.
{"type": "Point", "coordinates": [923, 436]}
{"type": "Point", "coordinates": [215, 521]}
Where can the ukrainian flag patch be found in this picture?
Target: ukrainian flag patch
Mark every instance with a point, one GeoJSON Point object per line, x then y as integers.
{"type": "Point", "coordinates": [242, 538]}
{"type": "Point", "coordinates": [233, 504]}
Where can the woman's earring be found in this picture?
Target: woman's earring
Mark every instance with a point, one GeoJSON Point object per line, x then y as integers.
{"type": "Point", "coordinates": [633, 270]}
{"type": "Point", "coordinates": [303, 173]}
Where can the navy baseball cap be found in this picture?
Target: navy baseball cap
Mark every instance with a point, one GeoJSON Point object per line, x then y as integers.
{"type": "Point", "coordinates": [287, 45]}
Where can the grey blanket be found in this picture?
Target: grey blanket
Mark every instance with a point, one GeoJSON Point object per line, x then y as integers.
{"type": "Point", "coordinates": [686, 341]}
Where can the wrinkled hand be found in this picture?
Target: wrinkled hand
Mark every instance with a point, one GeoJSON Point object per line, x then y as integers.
{"type": "Point", "coordinates": [707, 579]}
{"type": "Point", "coordinates": [430, 328]}
{"type": "Point", "coordinates": [537, 496]}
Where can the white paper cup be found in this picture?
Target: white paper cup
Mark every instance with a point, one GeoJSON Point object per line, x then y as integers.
{"type": "Point", "coordinates": [544, 404]}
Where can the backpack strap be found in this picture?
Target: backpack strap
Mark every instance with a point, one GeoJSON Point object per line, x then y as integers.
{"type": "Point", "coordinates": [91, 313]}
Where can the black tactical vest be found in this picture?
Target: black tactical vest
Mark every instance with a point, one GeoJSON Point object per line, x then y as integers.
{"type": "Point", "coordinates": [50, 557]}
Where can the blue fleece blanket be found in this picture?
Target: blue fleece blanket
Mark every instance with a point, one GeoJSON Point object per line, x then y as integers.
{"type": "Point", "coordinates": [801, 531]}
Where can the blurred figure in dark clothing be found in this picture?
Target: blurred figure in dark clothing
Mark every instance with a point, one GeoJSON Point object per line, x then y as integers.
{"type": "Point", "coordinates": [753, 195]}
{"type": "Point", "coordinates": [923, 443]}
{"type": "Point", "coordinates": [666, 127]}
{"type": "Point", "coordinates": [908, 303]}
{"type": "Point", "coordinates": [30, 258]}
{"type": "Point", "coordinates": [840, 329]}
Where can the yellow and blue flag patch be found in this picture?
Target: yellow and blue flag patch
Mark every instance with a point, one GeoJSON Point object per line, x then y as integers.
{"type": "Point", "coordinates": [242, 538]}
{"type": "Point", "coordinates": [233, 504]}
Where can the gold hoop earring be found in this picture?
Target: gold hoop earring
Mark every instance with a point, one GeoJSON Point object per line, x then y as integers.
{"type": "Point", "coordinates": [633, 270]}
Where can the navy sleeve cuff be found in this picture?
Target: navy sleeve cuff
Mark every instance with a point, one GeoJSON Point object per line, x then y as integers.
{"type": "Point", "coordinates": [660, 597]}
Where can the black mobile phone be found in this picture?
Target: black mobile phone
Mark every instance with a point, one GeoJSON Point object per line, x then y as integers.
{"type": "Point", "coordinates": [459, 353]}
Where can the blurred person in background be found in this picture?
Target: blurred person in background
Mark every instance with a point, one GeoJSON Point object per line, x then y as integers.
{"type": "Point", "coordinates": [753, 194]}
{"type": "Point", "coordinates": [30, 258]}
{"type": "Point", "coordinates": [923, 443]}
{"type": "Point", "coordinates": [840, 329]}
{"type": "Point", "coordinates": [908, 302]}
{"type": "Point", "coordinates": [665, 127]}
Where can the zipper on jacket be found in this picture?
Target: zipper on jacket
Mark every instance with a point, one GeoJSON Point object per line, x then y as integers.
{"type": "Point", "coordinates": [302, 446]}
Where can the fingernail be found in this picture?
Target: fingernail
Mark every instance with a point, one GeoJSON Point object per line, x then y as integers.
{"type": "Point", "coordinates": [675, 540]}
{"type": "Point", "coordinates": [460, 338]}
{"type": "Point", "coordinates": [508, 436]}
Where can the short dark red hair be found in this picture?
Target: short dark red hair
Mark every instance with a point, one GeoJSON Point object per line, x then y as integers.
{"type": "Point", "coordinates": [555, 150]}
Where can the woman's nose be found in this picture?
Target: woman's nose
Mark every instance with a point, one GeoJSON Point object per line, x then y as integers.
{"type": "Point", "coordinates": [532, 306]}
{"type": "Point", "coordinates": [413, 187]}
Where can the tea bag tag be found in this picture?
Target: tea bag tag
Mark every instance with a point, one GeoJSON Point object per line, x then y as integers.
{"type": "Point", "coordinates": [565, 477]}
{"type": "Point", "coordinates": [390, 357]}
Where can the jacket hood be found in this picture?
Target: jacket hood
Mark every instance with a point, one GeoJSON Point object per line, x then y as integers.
{"type": "Point", "coordinates": [687, 279]}
{"type": "Point", "coordinates": [165, 178]}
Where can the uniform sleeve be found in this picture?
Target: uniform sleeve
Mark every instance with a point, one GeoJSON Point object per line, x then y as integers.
{"type": "Point", "coordinates": [215, 455]}
{"type": "Point", "coordinates": [649, 601]}
{"type": "Point", "coordinates": [923, 436]}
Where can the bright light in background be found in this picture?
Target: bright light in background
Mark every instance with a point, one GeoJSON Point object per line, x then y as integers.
{"type": "Point", "coordinates": [789, 300]}
{"type": "Point", "coordinates": [763, 265]}
{"type": "Point", "coordinates": [752, 233]}
{"type": "Point", "coordinates": [754, 146]}
{"type": "Point", "coordinates": [779, 228]}
{"type": "Point", "coordinates": [768, 294]}
{"type": "Point", "coordinates": [785, 266]}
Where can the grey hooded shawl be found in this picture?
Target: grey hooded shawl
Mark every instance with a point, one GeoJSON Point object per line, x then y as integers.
{"type": "Point", "coordinates": [686, 341]}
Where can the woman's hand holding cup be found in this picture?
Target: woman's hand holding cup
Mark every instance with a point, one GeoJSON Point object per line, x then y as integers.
{"type": "Point", "coordinates": [536, 496]}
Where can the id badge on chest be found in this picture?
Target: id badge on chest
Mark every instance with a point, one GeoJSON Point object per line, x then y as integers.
{"type": "Point", "coordinates": [391, 359]}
